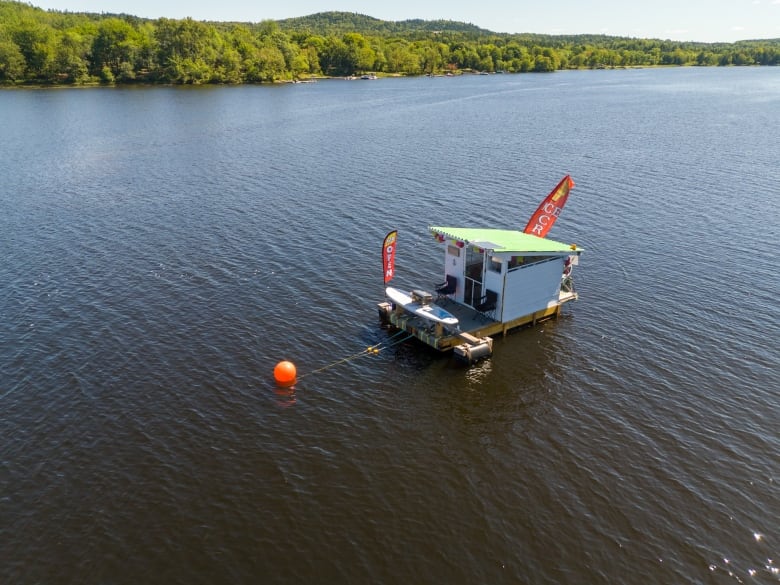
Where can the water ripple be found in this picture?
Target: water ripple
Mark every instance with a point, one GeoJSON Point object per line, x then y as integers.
{"type": "Point", "coordinates": [157, 269]}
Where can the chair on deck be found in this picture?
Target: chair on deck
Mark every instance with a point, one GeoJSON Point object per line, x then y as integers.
{"type": "Point", "coordinates": [447, 287]}
{"type": "Point", "coordinates": [487, 305]}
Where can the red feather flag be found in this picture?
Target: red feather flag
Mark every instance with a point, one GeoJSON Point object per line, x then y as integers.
{"type": "Point", "coordinates": [549, 210]}
{"type": "Point", "coordinates": [388, 255]}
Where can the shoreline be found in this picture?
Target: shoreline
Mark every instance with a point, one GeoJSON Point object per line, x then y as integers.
{"type": "Point", "coordinates": [375, 76]}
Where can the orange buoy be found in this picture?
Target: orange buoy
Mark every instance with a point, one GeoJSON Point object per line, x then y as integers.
{"type": "Point", "coordinates": [284, 373]}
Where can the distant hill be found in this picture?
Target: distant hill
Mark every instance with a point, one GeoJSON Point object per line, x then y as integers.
{"type": "Point", "coordinates": [337, 23]}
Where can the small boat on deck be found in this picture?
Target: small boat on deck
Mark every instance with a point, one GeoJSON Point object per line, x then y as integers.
{"type": "Point", "coordinates": [496, 280]}
{"type": "Point", "coordinates": [418, 302]}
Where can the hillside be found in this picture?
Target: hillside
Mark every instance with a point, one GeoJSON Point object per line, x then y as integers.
{"type": "Point", "coordinates": [337, 23]}
{"type": "Point", "coordinates": [54, 47]}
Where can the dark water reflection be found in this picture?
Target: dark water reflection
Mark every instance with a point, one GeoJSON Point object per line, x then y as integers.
{"type": "Point", "coordinates": [164, 248]}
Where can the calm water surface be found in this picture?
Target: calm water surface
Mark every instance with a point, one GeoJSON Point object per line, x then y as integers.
{"type": "Point", "coordinates": [163, 248]}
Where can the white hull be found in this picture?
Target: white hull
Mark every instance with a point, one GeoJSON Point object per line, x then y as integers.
{"type": "Point", "coordinates": [430, 312]}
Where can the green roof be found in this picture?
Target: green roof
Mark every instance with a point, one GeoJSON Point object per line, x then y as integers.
{"type": "Point", "coordinates": [504, 240]}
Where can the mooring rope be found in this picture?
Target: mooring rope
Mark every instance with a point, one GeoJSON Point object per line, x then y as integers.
{"type": "Point", "coordinates": [370, 350]}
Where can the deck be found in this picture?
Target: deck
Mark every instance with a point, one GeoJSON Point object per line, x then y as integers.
{"type": "Point", "coordinates": [469, 319]}
{"type": "Point", "coordinates": [471, 322]}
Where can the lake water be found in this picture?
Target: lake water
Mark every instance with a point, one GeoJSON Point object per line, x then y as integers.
{"type": "Point", "coordinates": [163, 248]}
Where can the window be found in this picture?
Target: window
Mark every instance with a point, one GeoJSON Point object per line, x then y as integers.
{"type": "Point", "coordinates": [521, 261]}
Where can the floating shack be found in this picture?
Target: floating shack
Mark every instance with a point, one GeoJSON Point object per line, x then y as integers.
{"type": "Point", "coordinates": [495, 280]}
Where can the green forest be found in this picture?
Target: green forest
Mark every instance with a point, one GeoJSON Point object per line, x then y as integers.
{"type": "Point", "coordinates": [67, 48]}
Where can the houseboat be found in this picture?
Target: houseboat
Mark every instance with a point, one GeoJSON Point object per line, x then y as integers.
{"type": "Point", "coordinates": [495, 280]}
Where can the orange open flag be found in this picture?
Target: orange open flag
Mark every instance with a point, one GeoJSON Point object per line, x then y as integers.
{"type": "Point", "coordinates": [388, 255]}
{"type": "Point", "coordinates": [549, 210]}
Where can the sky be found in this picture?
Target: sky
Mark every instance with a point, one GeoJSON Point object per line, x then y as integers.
{"type": "Point", "coordinates": [706, 21]}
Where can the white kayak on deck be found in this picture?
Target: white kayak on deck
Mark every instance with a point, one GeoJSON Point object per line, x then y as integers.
{"type": "Point", "coordinates": [416, 304]}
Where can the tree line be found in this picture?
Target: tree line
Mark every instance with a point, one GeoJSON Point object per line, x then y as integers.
{"type": "Point", "coordinates": [55, 47]}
